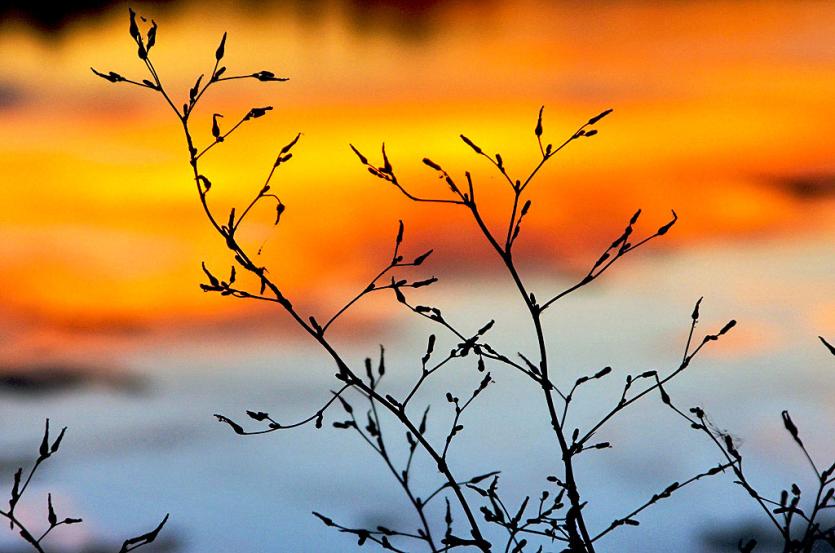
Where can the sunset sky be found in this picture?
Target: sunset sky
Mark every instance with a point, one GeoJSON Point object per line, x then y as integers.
{"type": "Point", "coordinates": [722, 112]}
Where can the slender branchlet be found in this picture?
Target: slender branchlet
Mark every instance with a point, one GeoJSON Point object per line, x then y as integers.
{"type": "Point", "coordinates": [800, 528]}
{"type": "Point", "coordinates": [270, 291]}
{"type": "Point", "coordinates": [579, 538]}
{"type": "Point", "coordinates": [471, 505]}
{"type": "Point", "coordinates": [37, 539]}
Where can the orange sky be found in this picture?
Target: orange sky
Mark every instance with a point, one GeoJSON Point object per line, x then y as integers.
{"type": "Point", "coordinates": [722, 110]}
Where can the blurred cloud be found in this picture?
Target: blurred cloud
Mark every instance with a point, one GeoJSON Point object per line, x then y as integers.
{"type": "Point", "coordinates": [11, 95]}
{"type": "Point", "coordinates": [36, 379]}
{"type": "Point", "coordinates": [103, 245]}
{"type": "Point", "coordinates": [166, 543]}
{"type": "Point", "coordinates": [56, 16]}
{"type": "Point", "coordinates": [723, 538]}
{"type": "Point", "coordinates": [409, 19]}
{"type": "Point", "coordinates": [808, 187]}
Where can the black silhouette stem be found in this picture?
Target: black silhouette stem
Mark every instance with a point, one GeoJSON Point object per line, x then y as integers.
{"type": "Point", "coordinates": [343, 369]}
{"type": "Point", "coordinates": [535, 313]}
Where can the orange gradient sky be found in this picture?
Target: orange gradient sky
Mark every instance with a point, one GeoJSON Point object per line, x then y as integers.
{"type": "Point", "coordinates": [722, 112]}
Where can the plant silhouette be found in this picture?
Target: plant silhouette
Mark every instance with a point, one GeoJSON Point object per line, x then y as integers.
{"type": "Point", "coordinates": [37, 540]}
{"type": "Point", "coordinates": [463, 511]}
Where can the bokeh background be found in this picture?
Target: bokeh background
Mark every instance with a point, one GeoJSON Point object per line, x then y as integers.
{"type": "Point", "coordinates": [723, 112]}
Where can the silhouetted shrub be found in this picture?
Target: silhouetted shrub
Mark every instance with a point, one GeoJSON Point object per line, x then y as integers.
{"type": "Point", "coordinates": [37, 538]}
{"type": "Point", "coordinates": [472, 507]}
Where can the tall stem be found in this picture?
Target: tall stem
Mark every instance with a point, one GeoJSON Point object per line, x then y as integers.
{"type": "Point", "coordinates": [343, 367]}
{"type": "Point", "coordinates": [578, 534]}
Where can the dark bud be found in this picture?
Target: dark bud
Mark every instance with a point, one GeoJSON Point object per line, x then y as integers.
{"type": "Point", "coordinates": [207, 184]}
{"type": "Point", "coordinates": [665, 397]}
{"type": "Point", "coordinates": [790, 427]}
{"type": "Point", "coordinates": [134, 29]}
{"type": "Point", "coordinates": [232, 424]}
{"type": "Point", "coordinates": [601, 259]}
{"type": "Point", "coordinates": [729, 445]}
{"type": "Point", "coordinates": [44, 449]}
{"type": "Point", "coordinates": [221, 49]}
{"type": "Point", "coordinates": [727, 327]}
{"type": "Point", "coordinates": [422, 283]}
{"type": "Point", "coordinates": [431, 345]}
{"type": "Point", "coordinates": [422, 426]}
{"type": "Point", "coordinates": [110, 76]}
{"type": "Point", "coordinates": [599, 116]}
{"type": "Point", "coordinates": [51, 516]}
{"type": "Point", "coordinates": [421, 258]}
{"type": "Point", "coordinates": [192, 93]}
{"type": "Point", "coordinates": [254, 113]}
{"type": "Point", "coordinates": [152, 35]}
{"type": "Point", "coordinates": [386, 168]}
{"type": "Point", "coordinates": [663, 230]}
{"type": "Point", "coordinates": [828, 346]}
{"type": "Point", "coordinates": [315, 324]}
{"type": "Point", "coordinates": [470, 143]}
{"type": "Point", "coordinates": [139, 541]}
{"type": "Point", "coordinates": [538, 130]}
{"type": "Point", "coordinates": [591, 132]}
{"type": "Point", "coordinates": [381, 366]}
{"type": "Point", "coordinates": [345, 405]}
{"type": "Point", "coordinates": [257, 415]}
{"type": "Point", "coordinates": [485, 328]}
{"type": "Point", "coordinates": [695, 315]}
{"type": "Point", "coordinates": [631, 521]}
{"type": "Point", "coordinates": [16, 487]}
{"type": "Point", "coordinates": [266, 76]}
{"type": "Point", "coordinates": [428, 162]}
{"type": "Point", "coordinates": [216, 127]}
{"type": "Point", "coordinates": [292, 143]}
{"type": "Point", "coordinates": [323, 518]}
{"type": "Point", "coordinates": [57, 443]}
{"type": "Point", "coordinates": [361, 157]}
